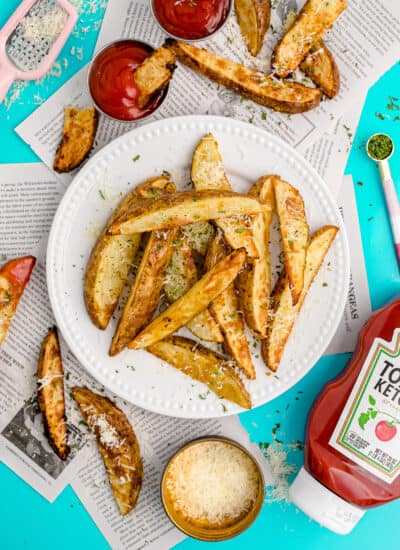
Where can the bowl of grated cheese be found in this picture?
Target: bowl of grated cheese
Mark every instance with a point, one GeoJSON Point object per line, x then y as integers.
{"type": "Point", "coordinates": [212, 489]}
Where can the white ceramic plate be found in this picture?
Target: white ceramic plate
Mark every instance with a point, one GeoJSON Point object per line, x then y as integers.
{"type": "Point", "coordinates": [248, 153]}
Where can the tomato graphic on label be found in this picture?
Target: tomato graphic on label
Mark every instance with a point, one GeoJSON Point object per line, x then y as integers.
{"type": "Point", "coordinates": [385, 431]}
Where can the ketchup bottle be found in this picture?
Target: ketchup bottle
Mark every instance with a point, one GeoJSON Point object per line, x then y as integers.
{"type": "Point", "coordinates": [352, 451]}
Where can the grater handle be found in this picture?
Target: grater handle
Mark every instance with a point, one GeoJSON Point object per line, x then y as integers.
{"type": "Point", "coordinates": [7, 77]}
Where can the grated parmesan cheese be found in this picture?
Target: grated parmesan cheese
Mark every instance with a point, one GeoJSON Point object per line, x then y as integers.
{"type": "Point", "coordinates": [44, 26]}
{"type": "Point", "coordinates": [212, 481]}
{"type": "Point", "coordinates": [107, 433]}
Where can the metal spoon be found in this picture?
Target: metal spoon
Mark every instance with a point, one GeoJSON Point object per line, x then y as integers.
{"type": "Point", "coordinates": [392, 202]}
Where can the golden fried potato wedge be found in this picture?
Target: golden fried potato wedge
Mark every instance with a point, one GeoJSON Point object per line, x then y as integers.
{"type": "Point", "coordinates": [193, 302]}
{"type": "Point", "coordinates": [253, 17]}
{"type": "Point", "coordinates": [112, 257]}
{"type": "Point", "coordinates": [14, 276]}
{"type": "Point", "coordinates": [320, 66]}
{"type": "Point", "coordinates": [286, 97]}
{"type": "Point", "coordinates": [315, 18]}
{"type": "Point", "coordinates": [184, 208]}
{"type": "Point", "coordinates": [284, 313]}
{"type": "Point", "coordinates": [181, 275]}
{"type": "Point", "coordinates": [203, 365]}
{"type": "Point", "coordinates": [199, 235]}
{"type": "Point", "coordinates": [117, 443]}
{"type": "Point", "coordinates": [226, 311]}
{"type": "Point", "coordinates": [50, 392]}
{"type": "Point", "coordinates": [254, 281]}
{"type": "Point", "coordinates": [145, 291]}
{"type": "Point", "coordinates": [295, 233]}
{"type": "Point", "coordinates": [79, 132]}
{"type": "Point", "coordinates": [208, 172]}
{"type": "Point", "coordinates": [154, 74]}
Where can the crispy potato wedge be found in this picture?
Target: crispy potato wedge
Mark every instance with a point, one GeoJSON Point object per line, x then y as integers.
{"type": "Point", "coordinates": [199, 235]}
{"type": "Point", "coordinates": [50, 391]}
{"type": "Point", "coordinates": [184, 208]}
{"type": "Point", "coordinates": [112, 257]}
{"type": "Point", "coordinates": [320, 66]}
{"type": "Point", "coordinates": [181, 275]}
{"type": "Point", "coordinates": [254, 281]}
{"type": "Point", "coordinates": [295, 233]}
{"type": "Point", "coordinates": [226, 311]}
{"type": "Point", "coordinates": [79, 132]}
{"type": "Point", "coordinates": [117, 443]}
{"type": "Point", "coordinates": [145, 291]}
{"type": "Point", "coordinates": [315, 18]}
{"type": "Point", "coordinates": [154, 74]}
{"type": "Point", "coordinates": [208, 172]}
{"type": "Point", "coordinates": [286, 97]}
{"type": "Point", "coordinates": [203, 365]}
{"type": "Point", "coordinates": [193, 302]}
{"type": "Point", "coordinates": [14, 276]}
{"type": "Point", "coordinates": [284, 312]}
{"type": "Point", "coordinates": [253, 17]}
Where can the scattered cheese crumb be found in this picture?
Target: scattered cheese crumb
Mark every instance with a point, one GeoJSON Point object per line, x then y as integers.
{"type": "Point", "coordinates": [107, 433]}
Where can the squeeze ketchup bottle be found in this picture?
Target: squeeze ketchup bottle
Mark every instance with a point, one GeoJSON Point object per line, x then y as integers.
{"type": "Point", "coordinates": [352, 451]}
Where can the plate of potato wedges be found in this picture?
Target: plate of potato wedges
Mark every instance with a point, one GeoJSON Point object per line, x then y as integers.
{"type": "Point", "coordinates": [198, 266]}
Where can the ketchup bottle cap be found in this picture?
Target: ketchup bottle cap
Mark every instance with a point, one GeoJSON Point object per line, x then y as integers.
{"type": "Point", "coordinates": [322, 505]}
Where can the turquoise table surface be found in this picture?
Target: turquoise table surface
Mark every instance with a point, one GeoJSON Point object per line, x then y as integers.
{"type": "Point", "coordinates": [29, 522]}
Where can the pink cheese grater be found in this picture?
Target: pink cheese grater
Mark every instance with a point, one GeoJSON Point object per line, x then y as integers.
{"type": "Point", "coordinates": [27, 54]}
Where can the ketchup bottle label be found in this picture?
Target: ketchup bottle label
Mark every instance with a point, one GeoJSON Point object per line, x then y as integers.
{"type": "Point", "coordinates": [368, 430]}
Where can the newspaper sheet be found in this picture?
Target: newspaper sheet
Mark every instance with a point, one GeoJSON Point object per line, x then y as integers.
{"type": "Point", "coordinates": [190, 93]}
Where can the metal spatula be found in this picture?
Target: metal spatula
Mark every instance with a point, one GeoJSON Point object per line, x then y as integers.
{"type": "Point", "coordinates": [32, 38]}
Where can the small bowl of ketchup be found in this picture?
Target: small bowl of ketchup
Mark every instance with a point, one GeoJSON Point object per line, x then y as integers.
{"type": "Point", "coordinates": [112, 84]}
{"type": "Point", "coordinates": [191, 20]}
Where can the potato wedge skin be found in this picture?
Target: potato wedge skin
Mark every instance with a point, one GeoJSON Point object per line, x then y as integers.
{"type": "Point", "coordinates": [203, 365]}
{"type": "Point", "coordinates": [50, 392]}
{"type": "Point", "coordinates": [14, 276]}
{"type": "Point", "coordinates": [320, 66]}
{"type": "Point", "coordinates": [181, 275]}
{"type": "Point", "coordinates": [253, 17]}
{"type": "Point", "coordinates": [208, 172]}
{"type": "Point", "coordinates": [183, 208]}
{"type": "Point", "coordinates": [313, 21]}
{"type": "Point", "coordinates": [112, 256]}
{"type": "Point", "coordinates": [286, 97]}
{"type": "Point", "coordinates": [154, 74]}
{"type": "Point", "coordinates": [122, 462]}
{"type": "Point", "coordinates": [193, 302]}
{"type": "Point", "coordinates": [79, 132]}
{"type": "Point", "coordinates": [254, 281]}
{"type": "Point", "coordinates": [295, 233]}
{"type": "Point", "coordinates": [284, 312]}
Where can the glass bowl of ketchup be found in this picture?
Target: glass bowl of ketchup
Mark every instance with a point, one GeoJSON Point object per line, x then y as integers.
{"type": "Point", "coordinates": [111, 81]}
{"type": "Point", "coordinates": [191, 20]}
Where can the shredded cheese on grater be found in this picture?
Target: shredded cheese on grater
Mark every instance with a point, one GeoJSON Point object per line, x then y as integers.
{"type": "Point", "coordinates": [47, 26]}
{"type": "Point", "coordinates": [212, 481]}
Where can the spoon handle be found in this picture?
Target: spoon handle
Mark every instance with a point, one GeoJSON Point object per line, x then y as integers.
{"type": "Point", "coordinates": [392, 203]}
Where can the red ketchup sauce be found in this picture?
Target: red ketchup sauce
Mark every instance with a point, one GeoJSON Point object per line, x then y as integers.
{"type": "Point", "coordinates": [191, 19]}
{"type": "Point", "coordinates": [112, 83]}
{"type": "Point", "coordinates": [368, 429]}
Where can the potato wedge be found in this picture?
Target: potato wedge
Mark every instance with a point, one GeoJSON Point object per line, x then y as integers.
{"type": "Point", "coordinates": [199, 235]}
{"type": "Point", "coordinates": [50, 391]}
{"type": "Point", "coordinates": [112, 257]}
{"type": "Point", "coordinates": [14, 276]}
{"type": "Point", "coordinates": [253, 17]}
{"type": "Point", "coordinates": [184, 208]}
{"type": "Point", "coordinates": [208, 172]}
{"type": "Point", "coordinates": [286, 97]}
{"type": "Point", "coordinates": [154, 74]}
{"type": "Point", "coordinates": [181, 275]}
{"type": "Point", "coordinates": [284, 312]}
{"type": "Point", "coordinates": [295, 233]}
{"type": "Point", "coordinates": [315, 18]}
{"type": "Point", "coordinates": [320, 66]}
{"type": "Point", "coordinates": [203, 365]}
{"type": "Point", "coordinates": [117, 443]}
{"type": "Point", "coordinates": [225, 310]}
{"type": "Point", "coordinates": [254, 281]}
{"type": "Point", "coordinates": [79, 132]}
{"type": "Point", "coordinates": [193, 302]}
{"type": "Point", "coordinates": [145, 291]}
